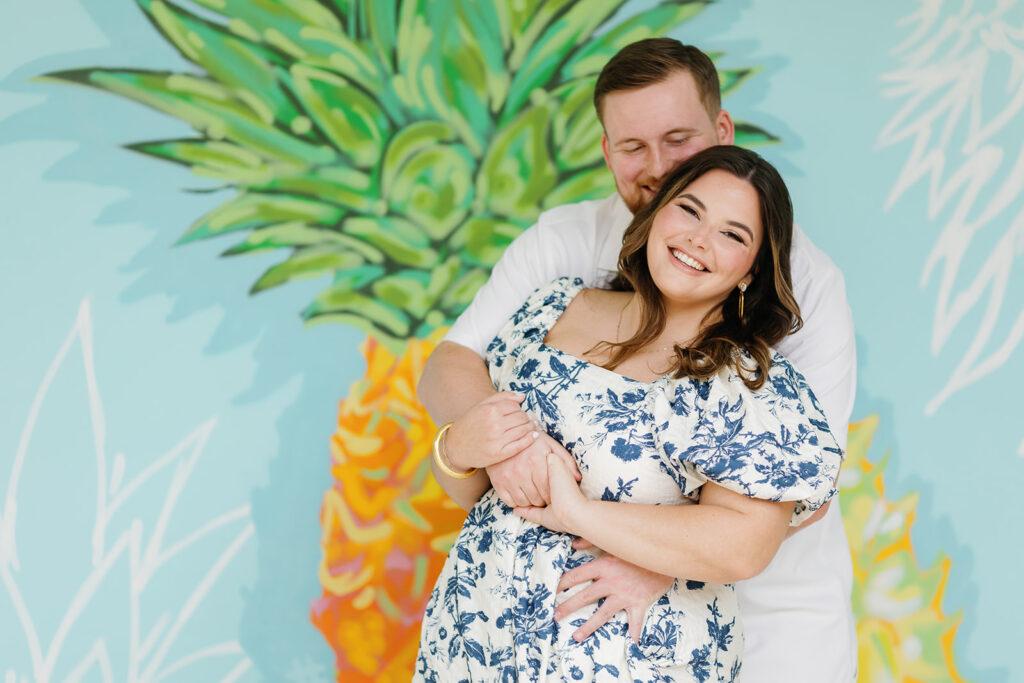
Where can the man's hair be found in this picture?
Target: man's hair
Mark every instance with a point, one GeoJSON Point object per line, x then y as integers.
{"type": "Point", "coordinates": [654, 60]}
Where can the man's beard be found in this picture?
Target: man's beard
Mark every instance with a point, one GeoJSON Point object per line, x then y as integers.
{"type": "Point", "coordinates": [637, 202]}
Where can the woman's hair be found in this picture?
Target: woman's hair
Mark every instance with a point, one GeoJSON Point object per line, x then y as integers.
{"type": "Point", "coordinates": [770, 309]}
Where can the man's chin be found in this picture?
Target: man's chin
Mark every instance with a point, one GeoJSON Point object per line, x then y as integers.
{"type": "Point", "coordinates": [636, 199]}
{"type": "Point", "coordinates": [635, 203]}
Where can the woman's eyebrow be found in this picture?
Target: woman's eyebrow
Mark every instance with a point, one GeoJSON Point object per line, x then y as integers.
{"type": "Point", "coordinates": [693, 199]}
{"type": "Point", "coordinates": [741, 226]}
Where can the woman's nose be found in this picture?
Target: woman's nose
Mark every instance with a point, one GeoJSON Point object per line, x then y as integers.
{"type": "Point", "coordinates": [697, 236]}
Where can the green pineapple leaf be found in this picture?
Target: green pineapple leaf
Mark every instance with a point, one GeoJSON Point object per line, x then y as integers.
{"type": "Point", "coordinates": [252, 211]}
{"type": "Point", "coordinates": [546, 56]}
{"type": "Point", "coordinates": [247, 69]}
{"type": "Point", "coordinates": [298, 234]}
{"type": "Point", "coordinates": [593, 54]}
{"type": "Point", "coordinates": [748, 135]}
{"type": "Point", "coordinates": [316, 260]}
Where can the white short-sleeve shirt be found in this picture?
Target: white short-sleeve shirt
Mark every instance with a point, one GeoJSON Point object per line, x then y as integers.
{"type": "Point", "coordinates": [796, 614]}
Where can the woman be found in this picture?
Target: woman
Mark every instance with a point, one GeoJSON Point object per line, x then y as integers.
{"type": "Point", "coordinates": [697, 444]}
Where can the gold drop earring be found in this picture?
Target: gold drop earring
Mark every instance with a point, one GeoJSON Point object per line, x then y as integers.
{"type": "Point", "coordinates": [743, 288]}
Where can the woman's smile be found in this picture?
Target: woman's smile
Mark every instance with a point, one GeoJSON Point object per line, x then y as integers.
{"type": "Point", "coordinates": [688, 261]}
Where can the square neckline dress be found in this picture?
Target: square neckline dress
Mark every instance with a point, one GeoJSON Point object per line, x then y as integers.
{"type": "Point", "coordinates": [490, 616]}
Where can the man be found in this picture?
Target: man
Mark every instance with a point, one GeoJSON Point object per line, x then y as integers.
{"type": "Point", "coordinates": [659, 103]}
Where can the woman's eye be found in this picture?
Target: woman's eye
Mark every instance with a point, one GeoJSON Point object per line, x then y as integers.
{"type": "Point", "coordinates": [733, 236]}
{"type": "Point", "coordinates": [689, 209]}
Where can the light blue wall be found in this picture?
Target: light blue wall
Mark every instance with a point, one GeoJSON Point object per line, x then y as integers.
{"type": "Point", "coordinates": [832, 90]}
{"type": "Point", "coordinates": [180, 351]}
{"type": "Point", "coordinates": [177, 346]}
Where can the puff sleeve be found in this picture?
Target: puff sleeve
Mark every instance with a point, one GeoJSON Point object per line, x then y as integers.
{"type": "Point", "coordinates": [773, 443]}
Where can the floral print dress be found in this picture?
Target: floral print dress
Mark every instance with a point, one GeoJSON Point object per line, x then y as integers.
{"type": "Point", "coordinates": [491, 615]}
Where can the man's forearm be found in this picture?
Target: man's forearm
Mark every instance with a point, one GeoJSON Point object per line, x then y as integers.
{"type": "Point", "coordinates": [454, 380]}
{"type": "Point", "coordinates": [465, 492]}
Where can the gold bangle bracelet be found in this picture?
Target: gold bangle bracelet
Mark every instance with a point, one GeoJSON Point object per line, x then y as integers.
{"type": "Point", "coordinates": [439, 459]}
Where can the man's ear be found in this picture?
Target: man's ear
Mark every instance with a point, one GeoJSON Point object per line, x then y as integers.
{"type": "Point", "coordinates": [725, 128]}
{"type": "Point", "coordinates": [605, 150]}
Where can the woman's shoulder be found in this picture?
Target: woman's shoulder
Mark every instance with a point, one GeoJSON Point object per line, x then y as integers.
{"type": "Point", "coordinates": [606, 298]}
{"type": "Point", "coordinates": [772, 442]}
{"type": "Point", "coordinates": [549, 298]}
{"type": "Point", "coordinates": [598, 304]}
{"type": "Point", "coordinates": [592, 315]}
{"type": "Point", "coordinates": [783, 380]}
{"type": "Point", "coordinates": [783, 400]}
{"type": "Point", "coordinates": [531, 322]}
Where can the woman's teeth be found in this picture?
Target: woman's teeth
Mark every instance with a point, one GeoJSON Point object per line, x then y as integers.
{"type": "Point", "coordinates": [687, 260]}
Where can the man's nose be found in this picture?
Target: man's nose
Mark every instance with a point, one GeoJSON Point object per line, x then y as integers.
{"type": "Point", "coordinates": [660, 164]}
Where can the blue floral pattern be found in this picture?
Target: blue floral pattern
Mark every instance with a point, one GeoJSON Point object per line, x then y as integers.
{"type": "Point", "coordinates": [490, 616]}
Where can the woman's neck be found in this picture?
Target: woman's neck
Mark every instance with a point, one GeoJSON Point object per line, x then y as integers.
{"type": "Point", "coordinates": [682, 323]}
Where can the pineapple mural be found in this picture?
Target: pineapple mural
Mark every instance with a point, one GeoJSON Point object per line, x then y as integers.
{"type": "Point", "coordinates": [397, 148]}
{"type": "Point", "coordinates": [387, 525]}
{"type": "Point", "coordinates": [902, 632]}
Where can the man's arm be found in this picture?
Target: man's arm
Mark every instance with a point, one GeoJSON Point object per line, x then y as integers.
{"type": "Point", "coordinates": [454, 380]}
{"type": "Point", "coordinates": [825, 349]}
{"type": "Point", "coordinates": [455, 377]}
{"type": "Point", "coordinates": [487, 424]}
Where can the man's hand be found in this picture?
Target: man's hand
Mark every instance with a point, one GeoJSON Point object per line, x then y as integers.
{"type": "Point", "coordinates": [491, 431]}
{"type": "Point", "coordinates": [623, 586]}
{"type": "Point", "coordinates": [522, 480]}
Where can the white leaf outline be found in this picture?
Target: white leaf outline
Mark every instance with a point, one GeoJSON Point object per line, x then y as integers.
{"type": "Point", "coordinates": [941, 60]}
{"type": "Point", "coordinates": [144, 562]}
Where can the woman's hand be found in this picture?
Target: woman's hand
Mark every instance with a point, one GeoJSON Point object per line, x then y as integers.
{"type": "Point", "coordinates": [489, 432]}
{"type": "Point", "coordinates": [522, 480]}
{"type": "Point", "coordinates": [567, 500]}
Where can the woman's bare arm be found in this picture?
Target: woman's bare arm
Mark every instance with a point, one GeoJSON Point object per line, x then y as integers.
{"type": "Point", "coordinates": [726, 538]}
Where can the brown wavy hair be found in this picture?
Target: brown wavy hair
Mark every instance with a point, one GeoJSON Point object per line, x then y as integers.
{"type": "Point", "coordinates": [771, 312]}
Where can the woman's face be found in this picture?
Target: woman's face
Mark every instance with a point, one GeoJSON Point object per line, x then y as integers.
{"type": "Point", "coordinates": [704, 242]}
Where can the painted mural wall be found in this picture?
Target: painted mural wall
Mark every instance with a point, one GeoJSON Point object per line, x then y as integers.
{"type": "Point", "coordinates": [198, 483]}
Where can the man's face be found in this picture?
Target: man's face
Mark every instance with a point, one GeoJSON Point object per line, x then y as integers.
{"type": "Point", "coordinates": [649, 131]}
